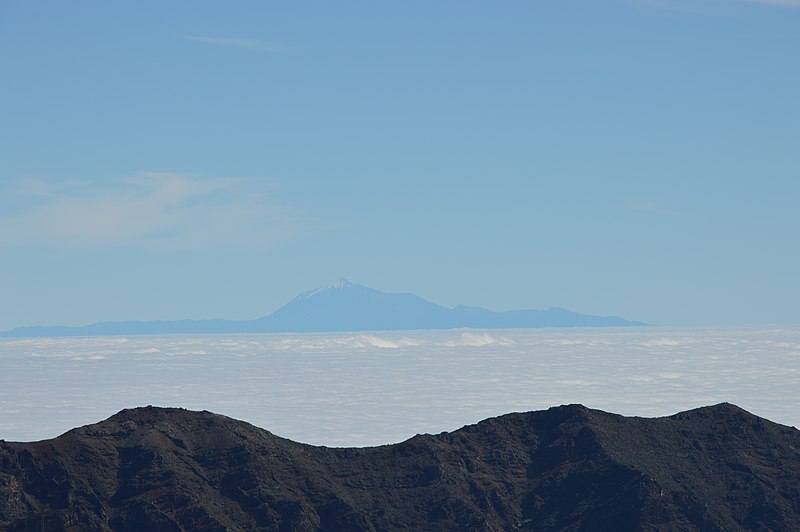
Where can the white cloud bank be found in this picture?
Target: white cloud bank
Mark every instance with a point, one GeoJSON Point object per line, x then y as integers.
{"type": "Point", "coordinates": [383, 387]}
{"type": "Point", "coordinates": [154, 210]}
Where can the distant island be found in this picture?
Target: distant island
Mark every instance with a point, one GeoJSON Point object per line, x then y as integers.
{"type": "Point", "coordinates": [344, 306]}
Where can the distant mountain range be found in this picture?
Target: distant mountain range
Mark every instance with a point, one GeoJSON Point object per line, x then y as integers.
{"type": "Point", "coordinates": [344, 306]}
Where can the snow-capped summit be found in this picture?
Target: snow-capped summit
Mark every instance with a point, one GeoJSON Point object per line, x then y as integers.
{"type": "Point", "coordinates": [339, 284]}
{"type": "Point", "coordinates": [344, 306]}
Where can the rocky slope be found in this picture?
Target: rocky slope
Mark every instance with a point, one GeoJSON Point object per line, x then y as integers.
{"type": "Point", "coordinates": [567, 468]}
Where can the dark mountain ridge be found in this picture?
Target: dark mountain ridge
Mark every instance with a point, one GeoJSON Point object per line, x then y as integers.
{"type": "Point", "coordinates": [566, 468]}
{"type": "Point", "coordinates": [343, 306]}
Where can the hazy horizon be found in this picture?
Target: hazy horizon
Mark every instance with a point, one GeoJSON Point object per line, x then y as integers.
{"type": "Point", "coordinates": [180, 160]}
{"type": "Point", "coordinates": [350, 303]}
{"type": "Point", "coordinates": [266, 314]}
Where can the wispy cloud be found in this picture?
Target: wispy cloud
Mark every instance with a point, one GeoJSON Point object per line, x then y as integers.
{"type": "Point", "coordinates": [786, 3]}
{"type": "Point", "coordinates": [712, 6]}
{"type": "Point", "coordinates": [153, 210]}
{"type": "Point", "coordinates": [249, 44]}
{"type": "Point", "coordinates": [31, 186]}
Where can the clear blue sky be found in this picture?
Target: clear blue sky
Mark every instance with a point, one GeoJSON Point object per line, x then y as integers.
{"type": "Point", "coordinates": [197, 159]}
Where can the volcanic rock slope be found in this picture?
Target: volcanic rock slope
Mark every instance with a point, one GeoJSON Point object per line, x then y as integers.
{"type": "Point", "coordinates": [567, 468]}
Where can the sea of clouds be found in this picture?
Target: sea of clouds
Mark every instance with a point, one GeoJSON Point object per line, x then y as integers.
{"type": "Point", "coordinates": [356, 389]}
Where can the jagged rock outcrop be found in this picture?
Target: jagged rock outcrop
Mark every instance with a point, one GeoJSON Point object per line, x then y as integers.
{"type": "Point", "coordinates": [567, 468]}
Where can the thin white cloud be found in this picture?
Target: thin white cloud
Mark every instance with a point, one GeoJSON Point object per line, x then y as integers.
{"type": "Point", "coordinates": [249, 44]}
{"type": "Point", "coordinates": [152, 210]}
{"type": "Point", "coordinates": [711, 6]}
{"type": "Point", "coordinates": [785, 3]}
{"type": "Point", "coordinates": [31, 186]}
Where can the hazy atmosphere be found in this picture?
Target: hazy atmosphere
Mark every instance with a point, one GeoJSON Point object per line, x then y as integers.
{"type": "Point", "coordinates": [167, 160]}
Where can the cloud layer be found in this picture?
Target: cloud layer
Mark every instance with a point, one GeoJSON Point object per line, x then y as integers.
{"type": "Point", "coordinates": [156, 210]}
{"type": "Point", "coordinates": [383, 387]}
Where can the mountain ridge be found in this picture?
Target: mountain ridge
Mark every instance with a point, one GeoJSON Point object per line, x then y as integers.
{"type": "Point", "coordinates": [565, 468]}
{"type": "Point", "coordinates": [343, 306]}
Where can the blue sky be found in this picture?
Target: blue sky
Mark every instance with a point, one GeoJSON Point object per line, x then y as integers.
{"type": "Point", "coordinates": [165, 160]}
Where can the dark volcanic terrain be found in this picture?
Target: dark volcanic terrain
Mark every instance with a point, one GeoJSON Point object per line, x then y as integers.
{"type": "Point", "coordinates": [567, 468]}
